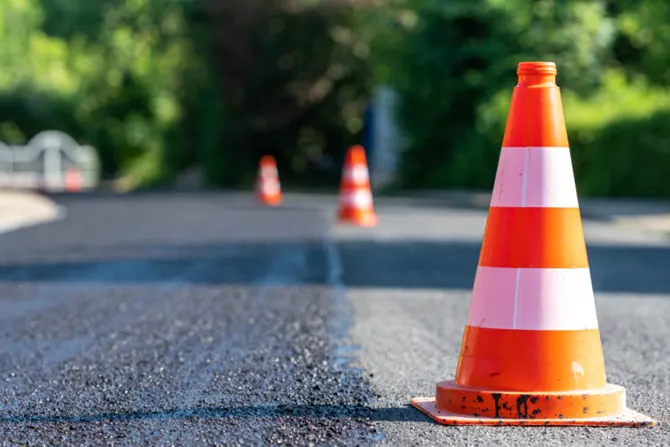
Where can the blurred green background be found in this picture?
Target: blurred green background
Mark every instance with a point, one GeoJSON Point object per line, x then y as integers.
{"type": "Point", "coordinates": [163, 86]}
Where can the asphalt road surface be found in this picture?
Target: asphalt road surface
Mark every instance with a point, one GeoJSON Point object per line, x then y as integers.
{"type": "Point", "coordinates": [206, 319]}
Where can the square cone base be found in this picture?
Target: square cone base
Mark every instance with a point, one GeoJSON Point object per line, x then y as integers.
{"type": "Point", "coordinates": [628, 418]}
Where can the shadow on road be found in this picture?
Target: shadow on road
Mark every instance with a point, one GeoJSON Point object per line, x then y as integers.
{"type": "Point", "coordinates": [396, 264]}
{"type": "Point", "coordinates": [397, 414]}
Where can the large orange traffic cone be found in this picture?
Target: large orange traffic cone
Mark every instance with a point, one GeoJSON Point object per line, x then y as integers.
{"type": "Point", "coordinates": [268, 187]}
{"type": "Point", "coordinates": [531, 352]}
{"type": "Point", "coordinates": [355, 201]}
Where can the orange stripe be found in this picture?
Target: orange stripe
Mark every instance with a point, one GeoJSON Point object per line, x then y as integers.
{"type": "Point", "coordinates": [536, 118]}
{"type": "Point", "coordinates": [533, 238]}
{"type": "Point", "coordinates": [531, 361]}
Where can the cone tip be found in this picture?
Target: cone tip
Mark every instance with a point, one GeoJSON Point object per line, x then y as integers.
{"type": "Point", "coordinates": [536, 68]}
{"type": "Point", "coordinates": [356, 154]}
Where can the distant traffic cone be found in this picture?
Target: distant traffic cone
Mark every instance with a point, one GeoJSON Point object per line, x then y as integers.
{"type": "Point", "coordinates": [74, 181]}
{"type": "Point", "coordinates": [268, 187]}
{"type": "Point", "coordinates": [355, 201]}
{"type": "Point", "coordinates": [531, 352]}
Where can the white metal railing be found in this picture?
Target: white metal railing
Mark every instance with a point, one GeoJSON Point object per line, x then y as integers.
{"type": "Point", "coordinates": [51, 160]}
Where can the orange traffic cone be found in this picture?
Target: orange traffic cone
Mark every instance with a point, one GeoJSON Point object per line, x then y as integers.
{"type": "Point", "coordinates": [268, 188]}
{"type": "Point", "coordinates": [531, 352]}
{"type": "Point", "coordinates": [356, 205]}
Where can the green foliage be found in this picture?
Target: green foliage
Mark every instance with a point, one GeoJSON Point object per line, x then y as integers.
{"type": "Point", "coordinates": [615, 135]}
{"type": "Point", "coordinates": [294, 79]}
{"type": "Point", "coordinates": [454, 63]}
{"type": "Point", "coordinates": [619, 138]}
{"type": "Point", "coordinates": [457, 55]}
{"type": "Point", "coordinates": [158, 86]}
{"type": "Point", "coordinates": [37, 81]}
{"type": "Point", "coordinates": [643, 38]}
{"type": "Point", "coordinates": [124, 81]}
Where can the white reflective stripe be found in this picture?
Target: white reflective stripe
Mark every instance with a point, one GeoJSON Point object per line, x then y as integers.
{"type": "Point", "coordinates": [269, 171]}
{"type": "Point", "coordinates": [358, 199]}
{"type": "Point", "coordinates": [535, 177]}
{"type": "Point", "coordinates": [270, 187]}
{"type": "Point", "coordinates": [358, 173]}
{"type": "Point", "coordinates": [533, 299]}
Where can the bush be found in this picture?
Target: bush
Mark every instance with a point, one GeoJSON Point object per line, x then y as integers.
{"type": "Point", "coordinates": [294, 80]}
{"type": "Point", "coordinates": [621, 139]}
{"type": "Point", "coordinates": [157, 86]}
{"type": "Point", "coordinates": [125, 76]}
{"type": "Point", "coordinates": [457, 55]}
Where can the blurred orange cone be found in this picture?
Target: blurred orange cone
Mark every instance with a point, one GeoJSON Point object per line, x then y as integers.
{"type": "Point", "coordinates": [531, 352]}
{"type": "Point", "coordinates": [355, 201]}
{"type": "Point", "coordinates": [268, 188]}
{"type": "Point", "coordinates": [74, 181]}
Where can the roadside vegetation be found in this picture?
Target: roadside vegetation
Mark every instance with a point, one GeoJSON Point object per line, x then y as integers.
{"type": "Point", "coordinates": [163, 86]}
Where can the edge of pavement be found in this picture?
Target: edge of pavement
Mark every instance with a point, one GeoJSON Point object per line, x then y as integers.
{"type": "Point", "coordinates": [645, 214]}
{"type": "Point", "coordinates": [19, 209]}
